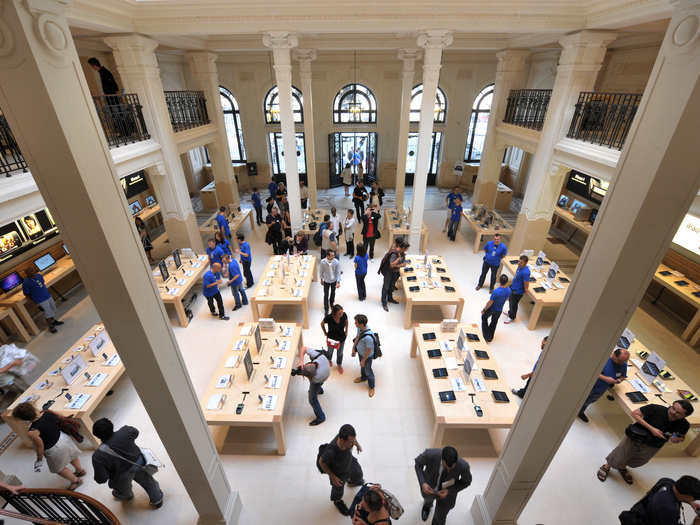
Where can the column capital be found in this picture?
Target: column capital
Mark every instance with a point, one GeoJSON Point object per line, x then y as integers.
{"type": "Point", "coordinates": [409, 55]}
{"type": "Point", "coordinates": [280, 40]}
{"type": "Point", "coordinates": [434, 39]}
{"type": "Point", "coordinates": [304, 55]}
{"type": "Point", "coordinates": [131, 42]}
{"type": "Point", "coordinates": [512, 60]}
{"type": "Point", "coordinates": [585, 47]}
{"type": "Point", "coordinates": [202, 62]}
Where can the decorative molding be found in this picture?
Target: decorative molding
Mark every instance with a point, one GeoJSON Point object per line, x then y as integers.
{"type": "Point", "coordinates": [434, 39]}
{"type": "Point", "coordinates": [409, 56]}
{"type": "Point", "coordinates": [512, 60]}
{"type": "Point", "coordinates": [51, 28]}
{"type": "Point", "coordinates": [280, 40]}
{"type": "Point", "coordinates": [304, 55]}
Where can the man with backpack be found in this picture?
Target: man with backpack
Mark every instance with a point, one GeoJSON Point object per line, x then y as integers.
{"type": "Point", "coordinates": [390, 266]}
{"type": "Point", "coordinates": [366, 345]}
{"type": "Point", "coordinates": [316, 371]}
{"type": "Point", "coordinates": [662, 504]}
{"type": "Point", "coordinates": [335, 459]}
{"type": "Point", "coordinates": [328, 237]}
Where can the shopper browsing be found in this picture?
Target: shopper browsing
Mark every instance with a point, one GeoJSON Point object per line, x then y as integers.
{"type": "Point", "coordinates": [662, 505]}
{"type": "Point", "coordinates": [493, 308]}
{"type": "Point", "coordinates": [363, 345]}
{"type": "Point", "coordinates": [390, 268]}
{"type": "Point", "coordinates": [359, 196]}
{"type": "Point", "coordinates": [521, 392]}
{"type": "Point", "coordinates": [328, 237]}
{"type": "Point", "coordinates": [35, 288]}
{"type": "Point", "coordinates": [329, 274]}
{"type": "Point", "coordinates": [370, 229]}
{"type": "Point", "coordinates": [360, 261]}
{"type": "Point", "coordinates": [335, 459]}
{"type": "Point", "coordinates": [335, 328]}
{"type": "Point", "coordinates": [300, 244]}
{"type": "Point", "coordinates": [494, 252]}
{"type": "Point", "coordinates": [349, 231]}
{"type": "Point", "coordinates": [317, 372]}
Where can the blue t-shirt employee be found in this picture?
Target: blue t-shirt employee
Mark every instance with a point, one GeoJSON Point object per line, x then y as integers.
{"type": "Point", "coordinates": [494, 250]}
{"type": "Point", "coordinates": [520, 285]}
{"type": "Point", "coordinates": [246, 259]}
{"type": "Point", "coordinates": [492, 310]}
{"type": "Point", "coordinates": [35, 288]}
{"type": "Point", "coordinates": [235, 281]}
{"type": "Point", "coordinates": [210, 289]}
{"type": "Point", "coordinates": [614, 372]}
{"type": "Point", "coordinates": [222, 222]}
{"type": "Point", "coordinates": [215, 252]}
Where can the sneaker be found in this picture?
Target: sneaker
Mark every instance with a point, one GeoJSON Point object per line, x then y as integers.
{"type": "Point", "coordinates": [392, 301]}
{"type": "Point", "coordinates": [316, 422]}
{"type": "Point", "coordinates": [386, 308]}
{"type": "Point", "coordinates": [342, 507]}
{"type": "Point", "coordinates": [371, 392]}
{"type": "Point", "coordinates": [340, 369]}
{"type": "Point", "coordinates": [583, 417]}
{"type": "Point", "coordinates": [237, 307]}
{"type": "Point", "coordinates": [508, 321]}
{"type": "Point", "coordinates": [214, 314]}
{"type": "Point", "coordinates": [58, 323]}
{"type": "Point", "coordinates": [478, 287]}
{"type": "Point", "coordinates": [358, 380]}
{"type": "Point", "coordinates": [52, 329]}
{"type": "Point", "coordinates": [157, 504]}
{"type": "Point", "coordinates": [224, 317]}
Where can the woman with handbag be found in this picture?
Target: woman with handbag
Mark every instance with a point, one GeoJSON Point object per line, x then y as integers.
{"type": "Point", "coordinates": [374, 505]}
{"type": "Point", "coordinates": [48, 439]}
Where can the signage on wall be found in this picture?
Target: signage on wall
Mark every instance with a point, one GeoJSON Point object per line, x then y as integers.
{"type": "Point", "coordinates": [134, 184]}
{"type": "Point", "coordinates": [586, 186]}
{"type": "Point", "coordinates": [25, 232]}
{"type": "Point", "coordinates": [688, 237]}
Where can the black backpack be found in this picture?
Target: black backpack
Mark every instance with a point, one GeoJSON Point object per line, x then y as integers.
{"type": "Point", "coordinates": [317, 238]}
{"type": "Point", "coordinates": [638, 515]}
{"type": "Point", "coordinates": [321, 448]}
{"type": "Point", "coordinates": [377, 343]}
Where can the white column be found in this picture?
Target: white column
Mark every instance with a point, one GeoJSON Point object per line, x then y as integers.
{"type": "Point", "coordinates": [281, 43]}
{"type": "Point", "coordinates": [46, 100]}
{"type": "Point", "coordinates": [206, 77]}
{"type": "Point", "coordinates": [511, 73]}
{"type": "Point", "coordinates": [433, 42]}
{"type": "Point", "coordinates": [138, 68]}
{"type": "Point", "coordinates": [657, 179]}
{"type": "Point", "coordinates": [408, 56]}
{"type": "Point", "coordinates": [305, 56]}
{"type": "Point", "coordinates": [581, 58]}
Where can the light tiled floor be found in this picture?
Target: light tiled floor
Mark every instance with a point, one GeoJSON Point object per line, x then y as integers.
{"type": "Point", "coordinates": [393, 427]}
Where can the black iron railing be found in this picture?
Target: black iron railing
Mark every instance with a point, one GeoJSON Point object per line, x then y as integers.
{"type": "Point", "coordinates": [121, 118]}
{"type": "Point", "coordinates": [604, 118]}
{"type": "Point", "coordinates": [11, 158]}
{"type": "Point", "coordinates": [527, 107]}
{"type": "Point", "coordinates": [56, 506]}
{"type": "Point", "coordinates": [188, 109]}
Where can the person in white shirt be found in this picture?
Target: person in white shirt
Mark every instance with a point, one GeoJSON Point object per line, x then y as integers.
{"type": "Point", "coordinates": [335, 222]}
{"type": "Point", "coordinates": [330, 279]}
{"type": "Point", "coordinates": [329, 241]}
{"type": "Point", "coordinates": [304, 193]}
{"type": "Point", "coordinates": [346, 175]}
{"type": "Point", "coordinates": [349, 230]}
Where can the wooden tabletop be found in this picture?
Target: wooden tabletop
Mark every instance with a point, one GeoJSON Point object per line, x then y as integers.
{"type": "Point", "coordinates": [461, 411]}
{"type": "Point", "coordinates": [272, 342]}
{"type": "Point", "coordinates": [95, 364]}
{"type": "Point", "coordinates": [392, 215]}
{"type": "Point", "coordinates": [180, 281]}
{"type": "Point", "coordinates": [210, 226]}
{"type": "Point", "coordinates": [434, 292]}
{"type": "Point", "coordinates": [58, 271]}
{"type": "Point", "coordinates": [499, 224]}
{"type": "Point", "coordinates": [670, 281]}
{"type": "Point", "coordinates": [272, 287]}
{"type": "Point", "coordinates": [566, 215]}
{"type": "Point", "coordinates": [550, 297]}
{"type": "Point", "coordinates": [313, 215]}
{"type": "Point", "coordinates": [148, 212]}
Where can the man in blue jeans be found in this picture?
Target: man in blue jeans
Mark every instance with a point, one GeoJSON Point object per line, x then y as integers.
{"type": "Point", "coordinates": [455, 218]}
{"type": "Point", "coordinates": [118, 461]}
{"type": "Point", "coordinates": [614, 372]}
{"type": "Point", "coordinates": [235, 281]}
{"type": "Point", "coordinates": [363, 345]}
{"type": "Point", "coordinates": [317, 372]}
{"type": "Point", "coordinates": [222, 222]}
{"type": "Point", "coordinates": [246, 259]}
{"type": "Point", "coordinates": [495, 251]}
{"type": "Point", "coordinates": [494, 308]}
{"type": "Point", "coordinates": [520, 285]}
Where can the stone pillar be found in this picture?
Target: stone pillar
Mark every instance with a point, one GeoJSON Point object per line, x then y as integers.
{"type": "Point", "coordinates": [206, 77]}
{"type": "Point", "coordinates": [408, 56]}
{"type": "Point", "coordinates": [281, 43]}
{"type": "Point", "coordinates": [138, 68]}
{"type": "Point", "coordinates": [305, 56]}
{"type": "Point", "coordinates": [581, 58]}
{"type": "Point", "coordinates": [657, 179]}
{"type": "Point", "coordinates": [433, 42]}
{"type": "Point", "coordinates": [511, 73]}
{"type": "Point", "coordinates": [46, 100]}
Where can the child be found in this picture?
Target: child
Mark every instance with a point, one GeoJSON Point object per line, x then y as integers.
{"type": "Point", "coordinates": [361, 271]}
{"type": "Point", "coordinates": [455, 218]}
{"type": "Point", "coordinates": [257, 204]}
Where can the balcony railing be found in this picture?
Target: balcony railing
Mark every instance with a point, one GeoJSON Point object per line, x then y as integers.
{"type": "Point", "coordinates": [604, 118]}
{"type": "Point", "coordinates": [527, 107]}
{"type": "Point", "coordinates": [11, 158]}
{"type": "Point", "coordinates": [188, 109]}
{"type": "Point", "coordinates": [56, 507]}
{"type": "Point", "coordinates": [121, 118]}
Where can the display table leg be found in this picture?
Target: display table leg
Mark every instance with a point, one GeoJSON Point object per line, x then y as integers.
{"type": "Point", "coordinates": [180, 311]}
{"type": "Point", "coordinates": [498, 438]}
{"type": "Point", "coordinates": [696, 336]}
{"type": "Point", "coordinates": [459, 308]}
{"type": "Point", "coordinates": [693, 448]}
{"type": "Point", "coordinates": [252, 222]}
{"type": "Point", "coordinates": [477, 241]}
{"type": "Point", "coordinates": [24, 316]}
{"type": "Point", "coordinates": [414, 345]}
{"type": "Point", "coordinates": [254, 308]}
{"type": "Point", "coordinates": [534, 316]}
{"type": "Point", "coordinates": [218, 435]}
{"type": "Point", "coordinates": [3, 335]}
{"type": "Point", "coordinates": [14, 321]}
{"type": "Point", "coordinates": [86, 430]}
{"type": "Point", "coordinates": [305, 311]}
{"type": "Point", "coordinates": [438, 432]}
{"type": "Point", "coordinates": [424, 244]}
{"type": "Point", "coordinates": [18, 427]}
{"type": "Point", "coordinates": [692, 326]}
{"type": "Point", "coordinates": [278, 428]}
{"type": "Point", "coordinates": [409, 312]}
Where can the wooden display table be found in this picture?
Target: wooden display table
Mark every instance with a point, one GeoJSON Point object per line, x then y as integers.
{"type": "Point", "coordinates": [274, 345]}
{"type": "Point", "coordinates": [563, 214]}
{"type": "Point", "coordinates": [504, 196]}
{"type": "Point", "coordinates": [432, 291]}
{"type": "Point", "coordinates": [499, 225]}
{"type": "Point", "coordinates": [95, 365]}
{"type": "Point", "coordinates": [18, 301]}
{"type": "Point", "coordinates": [210, 227]}
{"type": "Point", "coordinates": [180, 282]}
{"type": "Point", "coordinates": [208, 196]}
{"type": "Point", "coordinates": [693, 448]}
{"type": "Point", "coordinates": [550, 297]}
{"type": "Point", "coordinates": [284, 284]}
{"type": "Point", "coordinates": [400, 228]}
{"type": "Point", "coordinates": [148, 212]}
{"type": "Point", "coordinates": [8, 317]}
{"type": "Point", "coordinates": [391, 215]}
{"type": "Point", "coordinates": [460, 413]}
{"type": "Point", "coordinates": [314, 215]}
{"type": "Point", "coordinates": [685, 292]}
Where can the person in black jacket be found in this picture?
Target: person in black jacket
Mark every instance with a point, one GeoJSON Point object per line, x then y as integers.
{"type": "Point", "coordinates": [119, 473]}
{"type": "Point", "coordinates": [109, 85]}
{"type": "Point", "coordinates": [662, 504]}
{"type": "Point", "coordinates": [370, 229]}
{"type": "Point", "coordinates": [441, 475]}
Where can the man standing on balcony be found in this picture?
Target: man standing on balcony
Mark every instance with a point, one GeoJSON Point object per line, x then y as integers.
{"type": "Point", "coordinates": [109, 85]}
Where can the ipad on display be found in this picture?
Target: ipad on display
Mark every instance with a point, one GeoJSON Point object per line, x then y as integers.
{"type": "Point", "coordinates": [44, 262]}
{"type": "Point", "coordinates": [10, 282]}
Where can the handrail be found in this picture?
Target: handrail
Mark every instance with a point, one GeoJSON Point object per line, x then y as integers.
{"type": "Point", "coordinates": [22, 517]}
{"type": "Point", "coordinates": [121, 118]}
{"type": "Point", "coordinates": [11, 158]}
{"type": "Point", "coordinates": [187, 109]}
{"type": "Point", "coordinates": [59, 506]}
{"type": "Point", "coordinates": [604, 118]}
{"type": "Point", "coordinates": [527, 108]}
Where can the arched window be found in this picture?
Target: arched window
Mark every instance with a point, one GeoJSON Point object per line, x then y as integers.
{"type": "Point", "coordinates": [232, 121]}
{"type": "Point", "coordinates": [272, 105]}
{"type": "Point", "coordinates": [440, 104]}
{"type": "Point", "coordinates": [477, 124]}
{"type": "Point", "coordinates": [354, 103]}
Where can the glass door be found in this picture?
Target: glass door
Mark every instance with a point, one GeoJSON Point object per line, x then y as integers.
{"type": "Point", "coordinates": [412, 158]}
{"type": "Point", "coordinates": [359, 149]}
{"type": "Point", "coordinates": [278, 160]}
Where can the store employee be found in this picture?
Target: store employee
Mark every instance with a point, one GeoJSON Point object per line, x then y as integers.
{"type": "Point", "coordinates": [215, 253]}
{"type": "Point", "coordinates": [210, 289]}
{"type": "Point", "coordinates": [35, 288]}
{"type": "Point", "coordinates": [222, 221]}
{"type": "Point", "coordinates": [520, 285]}
{"type": "Point", "coordinates": [494, 250]}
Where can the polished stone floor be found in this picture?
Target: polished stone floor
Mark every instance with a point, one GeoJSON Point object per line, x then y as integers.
{"type": "Point", "coordinates": [393, 427]}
